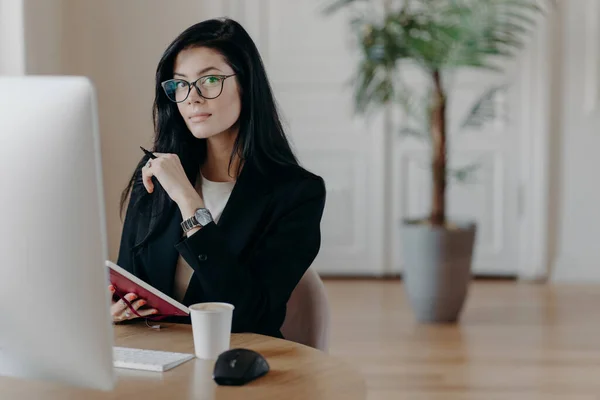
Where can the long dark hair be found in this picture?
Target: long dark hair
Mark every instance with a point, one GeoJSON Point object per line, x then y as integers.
{"type": "Point", "coordinates": [261, 138]}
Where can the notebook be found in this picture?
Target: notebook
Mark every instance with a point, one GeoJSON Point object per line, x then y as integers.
{"type": "Point", "coordinates": [125, 282]}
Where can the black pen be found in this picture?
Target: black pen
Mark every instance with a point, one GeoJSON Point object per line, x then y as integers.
{"type": "Point", "coordinates": [148, 153]}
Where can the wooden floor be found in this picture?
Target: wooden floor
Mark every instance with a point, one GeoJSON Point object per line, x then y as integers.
{"type": "Point", "coordinates": [514, 341]}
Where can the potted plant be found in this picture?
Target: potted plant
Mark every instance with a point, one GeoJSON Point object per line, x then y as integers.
{"type": "Point", "coordinates": [437, 38]}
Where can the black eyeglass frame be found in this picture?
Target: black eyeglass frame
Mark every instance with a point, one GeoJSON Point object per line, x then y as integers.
{"type": "Point", "coordinates": [194, 84]}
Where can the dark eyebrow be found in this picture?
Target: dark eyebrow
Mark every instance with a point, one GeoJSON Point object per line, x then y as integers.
{"type": "Point", "coordinates": [199, 72]}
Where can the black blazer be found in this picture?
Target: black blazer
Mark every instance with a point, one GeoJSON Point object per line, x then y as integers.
{"type": "Point", "coordinates": [267, 237]}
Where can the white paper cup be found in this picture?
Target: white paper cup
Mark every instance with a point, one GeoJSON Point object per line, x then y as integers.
{"type": "Point", "coordinates": [211, 325]}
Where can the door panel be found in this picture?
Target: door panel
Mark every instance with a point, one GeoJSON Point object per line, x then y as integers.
{"type": "Point", "coordinates": [374, 178]}
{"type": "Point", "coordinates": [310, 63]}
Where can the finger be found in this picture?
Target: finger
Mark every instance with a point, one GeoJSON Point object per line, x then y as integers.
{"type": "Point", "coordinates": [147, 179]}
{"type": "Point", "coordinates": [129, 315]}
{"type": "Point", "coordinates": [165, 156]}
{"type": "Point", "coordinates": [117, 307]}
{"type": "Point", "coordinates": [147, 313]}
{"type": "Point", "coordinates": [138, 303]}
{"type": "Point", "coordinates": [120, 305]}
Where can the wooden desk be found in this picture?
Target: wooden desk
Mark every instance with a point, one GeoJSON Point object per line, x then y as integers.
{"type": "Point", "coordinates": [297, 372]}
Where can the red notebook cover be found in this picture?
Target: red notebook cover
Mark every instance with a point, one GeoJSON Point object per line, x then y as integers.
{"type": "Point", "coordinates": [125, 282]}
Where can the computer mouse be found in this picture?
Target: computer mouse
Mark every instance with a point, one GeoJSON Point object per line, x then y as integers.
{"type": "Point", "coordinates": [237, 367]}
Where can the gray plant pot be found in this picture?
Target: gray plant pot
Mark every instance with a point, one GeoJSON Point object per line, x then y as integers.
{"type": "Point", "coordinates": [437, 269]}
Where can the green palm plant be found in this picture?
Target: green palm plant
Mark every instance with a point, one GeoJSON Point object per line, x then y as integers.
{"type": "Point", "coordinates": [436, 36]}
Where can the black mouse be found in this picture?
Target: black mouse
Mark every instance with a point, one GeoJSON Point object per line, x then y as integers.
{"type": "Point", "coordinates": [237, 367]}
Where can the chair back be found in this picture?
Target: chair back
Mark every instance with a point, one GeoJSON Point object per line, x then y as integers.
{"type": "Point", "coordinates": [307, 318]}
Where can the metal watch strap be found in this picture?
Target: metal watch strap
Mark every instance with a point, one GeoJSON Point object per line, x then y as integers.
{"type": "Point", "coordinates": [190, 224]}
{"type": "Point", "coordinates": [200, 218]}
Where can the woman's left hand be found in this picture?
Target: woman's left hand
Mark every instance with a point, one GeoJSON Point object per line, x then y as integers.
{"type": "Point", "coordinates": [169, 172]}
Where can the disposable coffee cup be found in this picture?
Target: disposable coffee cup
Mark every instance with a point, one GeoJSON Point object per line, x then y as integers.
{"type": "Point", "coordinates": [211, 326]}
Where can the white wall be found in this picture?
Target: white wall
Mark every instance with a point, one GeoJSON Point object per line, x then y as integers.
{"type": "Point", "coordinates": [575, 162]}
{"type": "Point", "coordinates": [31, 36]}
{"type": "Point", "coordinates": [12, 38]}
{"type": "Point", "coordinates": [118, 43]}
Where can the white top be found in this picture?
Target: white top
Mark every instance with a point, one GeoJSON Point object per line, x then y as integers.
{"type": "Point", "coordinates": [215, 195]}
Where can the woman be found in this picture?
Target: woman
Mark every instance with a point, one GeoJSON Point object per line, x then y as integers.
{"type": "Point", "coordinates": [225, 213]}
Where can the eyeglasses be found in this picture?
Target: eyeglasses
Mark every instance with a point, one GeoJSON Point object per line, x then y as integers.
{"type": "Point", "coordinates": [208, 87]}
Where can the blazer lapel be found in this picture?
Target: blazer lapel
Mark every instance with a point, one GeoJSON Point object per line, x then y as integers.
{"type": "Point", "coordinates": [246, 205]}
{"type": "Point", "coordinates": [239, 221]}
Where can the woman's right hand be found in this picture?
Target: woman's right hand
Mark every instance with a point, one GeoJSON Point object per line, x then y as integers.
{"type": "Point", "coordinates": [121, 312]}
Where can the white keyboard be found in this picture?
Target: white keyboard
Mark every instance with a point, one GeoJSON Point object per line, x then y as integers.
{"type": "Point", "coordinates": [147, 360]}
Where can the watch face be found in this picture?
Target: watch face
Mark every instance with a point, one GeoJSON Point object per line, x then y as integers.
{"type": "Point", "coordinates": [203, 216]}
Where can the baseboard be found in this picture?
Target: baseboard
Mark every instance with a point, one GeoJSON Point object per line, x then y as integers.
{"type": "Point", "coordinates": [495, 278]}
{"type": "Point", "coordinates": [398, 277]}
{"type": "Point", "coordinates": [360, 277]}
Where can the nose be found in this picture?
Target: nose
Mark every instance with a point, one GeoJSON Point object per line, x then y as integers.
{"type": "Point", "coordinates": [194, 96]}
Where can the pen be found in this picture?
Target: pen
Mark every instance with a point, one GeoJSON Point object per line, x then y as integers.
{"type": "Point", "coordinates": [148, 153]}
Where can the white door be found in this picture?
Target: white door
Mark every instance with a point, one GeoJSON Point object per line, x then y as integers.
{"type": "Point", "coordinates": [309, 61]}
{"type": "Point", "coordinates": [506, 196]}
{"type": "Point", "coordinates": [489, 198]}
{"type": "Point", "coordinates": [373, 178]}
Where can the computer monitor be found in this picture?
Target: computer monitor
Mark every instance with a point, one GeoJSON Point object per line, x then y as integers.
{"type": "Point", "coordinates": [55, 321]}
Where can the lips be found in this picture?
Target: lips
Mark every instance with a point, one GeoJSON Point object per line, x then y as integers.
{"type": "Point", "coordinates": [199, 117]}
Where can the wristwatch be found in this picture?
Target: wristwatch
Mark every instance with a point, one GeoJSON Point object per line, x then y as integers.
{"type": "Point", "coordinates": [200, 218]}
